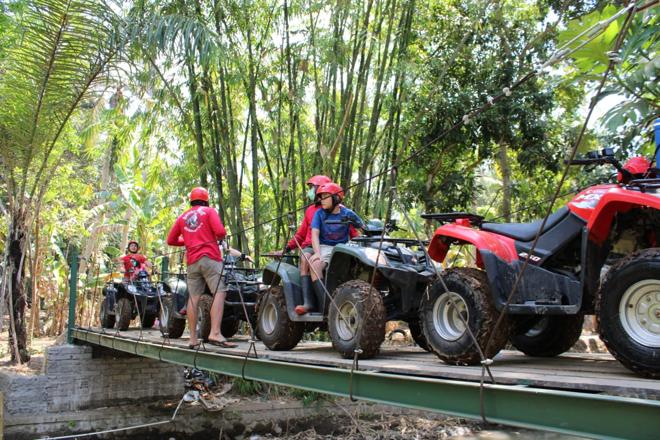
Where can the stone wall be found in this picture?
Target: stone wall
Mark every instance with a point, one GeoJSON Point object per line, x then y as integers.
{"type": "Point", "coordinates": [76, 377]}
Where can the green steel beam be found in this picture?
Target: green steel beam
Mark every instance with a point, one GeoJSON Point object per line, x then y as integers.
{"type": "Point", "coordinates": [592, 415]}
{"type": "Point", "coordinates": [73, 292]}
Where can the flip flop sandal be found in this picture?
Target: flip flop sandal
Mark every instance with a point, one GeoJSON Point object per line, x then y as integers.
{"type": "Point", "coordinates": [223, 344]}
{"type": "Point", "coordinates": [194, 346]}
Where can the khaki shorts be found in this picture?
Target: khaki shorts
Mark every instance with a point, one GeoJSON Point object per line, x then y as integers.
{"type": "Point", "coordinates": [326, 253]}
{"type": "Point", "coordinates": [203, 272]}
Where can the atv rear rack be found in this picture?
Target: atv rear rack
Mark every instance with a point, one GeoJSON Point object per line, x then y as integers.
{"type": "Point", "coordinates": [447, 217]}
{"type": "Point", "coordinates": [644, 185]}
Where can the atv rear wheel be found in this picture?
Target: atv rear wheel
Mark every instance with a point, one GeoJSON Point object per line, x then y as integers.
{"type": "Point", "coordinates": [204, 305]}
{"type": "Point", "coordinates": [107, 320]}
{"type": "Point", "coordinates": [123, 313]}
{"type": "Point", "coordinates": [545, 336]}
{"type": "Point", "coordinates": [469, 297]}
{"type": "Point", "coordinates": [148, 320]}
{"type": "Point", "coordinates": [170, 326]}
{"type": "Point", "coordinates": [274, 327]}
{"type": "Point", "coordinates": [229, 327]}
{"type": "Point", "coordinates": [356, 319]}
{"type": "Point", "coordinates": [628, 312]}
{"type": "Point", "coordinates": [417, 335]}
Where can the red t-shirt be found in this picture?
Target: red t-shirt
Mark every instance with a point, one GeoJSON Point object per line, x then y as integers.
{"type": "Point", "coordinates": [198, 229]}
{"type": "Point", "coordinates": [304, 233]}
{"type": "Point", "coordinates": [132, 262]}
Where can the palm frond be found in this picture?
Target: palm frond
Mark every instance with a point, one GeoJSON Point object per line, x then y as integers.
{"type": "Point", "coordinates": [64, 48]}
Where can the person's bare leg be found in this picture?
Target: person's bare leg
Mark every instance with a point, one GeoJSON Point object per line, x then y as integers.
{"type": "Point", "coordinates": [217, 310]}
{"type": "Point", "coordinates": [304, 264]}
{"type": "Point", "coordinates": [191, 314]}
{"type": "Point", "coordinates": [316, 267]}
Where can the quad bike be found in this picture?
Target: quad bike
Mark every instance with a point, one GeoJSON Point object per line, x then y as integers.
{"type": "Point", "coordinates": [124, 301]}
{"type": "Point", "coordinates": [243, 290]}
{"type": "Point", "coordinates": [611, 229]}
{"type": "Point", "coordinates": [399, 280]}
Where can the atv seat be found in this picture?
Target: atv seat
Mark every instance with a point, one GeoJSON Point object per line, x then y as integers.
{"type": "Point", "coordinates": [525, 231]}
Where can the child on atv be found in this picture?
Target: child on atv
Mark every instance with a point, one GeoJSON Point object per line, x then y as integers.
{"type": "Point", "coordinates": [330, 226]}
{"type": "Point", "coordinates": [133, 261]}
{"type": "Point", "coordinates": [302, 240]}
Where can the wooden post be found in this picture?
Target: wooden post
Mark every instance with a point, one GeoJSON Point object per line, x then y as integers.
{"type": "Point", "coordinates": [2, 415]}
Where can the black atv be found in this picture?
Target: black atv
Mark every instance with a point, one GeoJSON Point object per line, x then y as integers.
{"type": "Point", "coordinates": [401, 277]}
{"type": "Point", "coordinates": [124, 301]}
{"type": "Point", "coordinates": [243, 291]}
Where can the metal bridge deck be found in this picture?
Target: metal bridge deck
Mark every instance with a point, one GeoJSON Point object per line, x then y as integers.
{"type": "Point", "coordinates": [583, 394]}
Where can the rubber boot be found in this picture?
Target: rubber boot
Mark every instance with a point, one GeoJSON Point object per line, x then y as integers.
{"type": "Point", "coordinates": [319, 289]}
{"type": "Point", "coordinates": [309, 301]}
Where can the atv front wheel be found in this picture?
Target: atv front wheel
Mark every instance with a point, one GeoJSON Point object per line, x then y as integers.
{"type": "Point", "coordinates": [417, 335]}
{"type": "Point", "coordinates": [628, 312]}
{"type": "Point", "coordinates": [107, 320]}
{"type": "Point", "coordinates": [545, 336]}
{"type": "Point", "coordinates": [123, 313]}
{"type": "Point", "coordinates": [274, 327]}
{"type": "Point", "coordinates": [356, 319]}
{"type": "Point", "coordinates": [204, 304]}
{"type": "Point", "coordinates": [170, 326]}
{"type": "Point", "coordinates": [443, 313]}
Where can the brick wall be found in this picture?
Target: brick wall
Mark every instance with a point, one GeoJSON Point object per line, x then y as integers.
{"type": "Point", "coordinates": [77, 378]}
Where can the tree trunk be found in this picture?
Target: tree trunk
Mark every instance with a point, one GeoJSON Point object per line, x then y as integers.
{"type": "Point", "coordinates": [16, 243]}
{"type": "Point", "coordinates": [505, 170]}
{"type": "Point", "coordinates": [255, 147]}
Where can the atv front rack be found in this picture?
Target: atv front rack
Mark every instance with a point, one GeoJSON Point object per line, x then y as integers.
{"type": "Point", "coordinates": [376, 239]}
{"type": "Point", "coordinates": [448, 217]}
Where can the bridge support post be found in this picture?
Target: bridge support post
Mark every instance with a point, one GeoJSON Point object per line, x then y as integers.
{"type": "Point", "coordinates": [164, 268]}
{"type": "Point", "coordinates": [73, 291]}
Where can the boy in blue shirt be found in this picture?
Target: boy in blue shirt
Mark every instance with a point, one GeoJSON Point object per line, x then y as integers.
{"type": "Point", "coordinates": [326, 235]}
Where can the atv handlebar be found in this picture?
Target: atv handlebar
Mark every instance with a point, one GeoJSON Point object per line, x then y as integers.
{"type": "Point", "coordinates": [605, 157]}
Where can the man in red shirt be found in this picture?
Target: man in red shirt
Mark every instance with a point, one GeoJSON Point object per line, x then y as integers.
{"type": "Point", "coordinates": [133, 261]}
{"type": "Point", "coordinates": [200, 229]}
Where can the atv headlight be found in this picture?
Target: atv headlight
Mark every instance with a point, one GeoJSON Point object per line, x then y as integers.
{"type": "Point", "coordinates": [131, 288]}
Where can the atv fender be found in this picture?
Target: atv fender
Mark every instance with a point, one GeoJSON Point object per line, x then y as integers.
{"type": "Point", "coordinates": [610, 204]}
{"type": "Point", "coordinates": [343, 265]}
{"type": "Point", "coordinates": [110, 292]}
{"type": "Point", "coordinates": [446, 235]}
{"type": "Point", "coordinates": [288, 276]}
{"type": "Point", "coordinates": [179, 290]}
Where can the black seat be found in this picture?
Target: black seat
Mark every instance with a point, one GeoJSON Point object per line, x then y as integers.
{"type": "Point", "coordinates": [525, 231]}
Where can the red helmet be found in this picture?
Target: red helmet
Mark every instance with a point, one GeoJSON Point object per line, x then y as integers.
{"type": "Point", "coordinates": [637, 166]}
{"type": "Point", "coordinates": [128, 246]}
{"type": "Point", "coordinates": [199, 193]}
{"type": "Point", "coordinates": [318, 180]}
{"type": "Point", "coordinates": [331, 188]}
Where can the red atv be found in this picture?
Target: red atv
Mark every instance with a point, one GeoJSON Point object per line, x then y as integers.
{"type": "Point", "coordinates": [598, 255]}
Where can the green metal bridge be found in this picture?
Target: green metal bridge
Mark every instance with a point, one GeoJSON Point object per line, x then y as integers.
{"type": "Point", "coordinates": [588, 395]}
{"type": "Point", "coordinates": [555, 395]}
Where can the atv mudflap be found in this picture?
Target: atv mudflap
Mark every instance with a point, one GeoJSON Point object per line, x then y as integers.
{"type": "Point", "coordinates": [288, 276]}
{"type": "Point", "coordinates": [539, 292]}
{"type": "Point", "coordinates": [411, 284]}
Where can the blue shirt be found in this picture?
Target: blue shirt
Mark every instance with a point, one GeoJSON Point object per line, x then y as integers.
{"type": "Point", "coordinates": [332, 234]}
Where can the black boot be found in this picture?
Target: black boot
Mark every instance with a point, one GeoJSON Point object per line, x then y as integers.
{"type": "Point", "coordinates": [319, 289]}
{"type": "Point", "coordinates": [309, 300]}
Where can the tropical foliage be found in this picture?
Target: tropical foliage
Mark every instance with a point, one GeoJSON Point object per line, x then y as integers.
{"type": "Point", "coordinates": [111, 111]}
